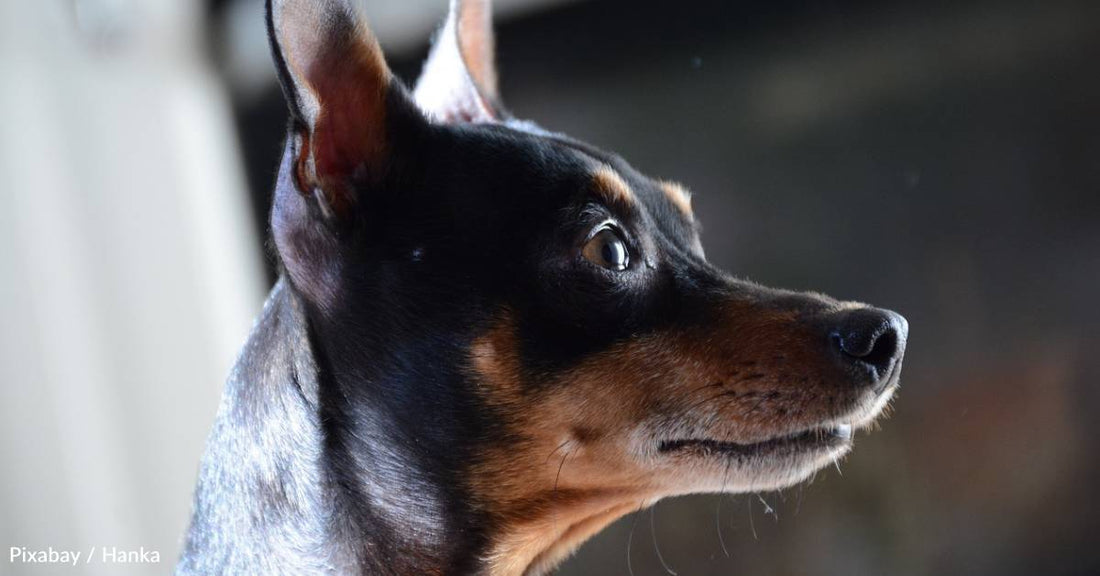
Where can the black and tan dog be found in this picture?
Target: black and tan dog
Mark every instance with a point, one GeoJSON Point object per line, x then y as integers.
{"type": "Point", "coordinates": [489, 340]}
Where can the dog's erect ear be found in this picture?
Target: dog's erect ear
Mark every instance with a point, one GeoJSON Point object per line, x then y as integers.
{"type": "Point", "coordinates": [459, 81]}
{"type": "Point", "coordinates": [337, 83]}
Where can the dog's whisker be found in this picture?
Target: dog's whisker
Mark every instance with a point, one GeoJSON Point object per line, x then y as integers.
{"type": "Point", "coordinates": [768, 508]}
{"type": "Point", "coordinates": [554, 492]}
{"type": "Point", "coordinates": [629, 541]}
{"type": "Point", "coordinates": [718, 511]}
{"type": "Point", "coordinates": [752, 523]}
{"type": "Point", "coordinates": [657, 549]}
{"type": "Point", "coordinates": [559, 447]}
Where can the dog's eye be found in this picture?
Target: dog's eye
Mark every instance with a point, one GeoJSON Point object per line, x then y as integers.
{"type": "Point", "coordinates": [606, 249]}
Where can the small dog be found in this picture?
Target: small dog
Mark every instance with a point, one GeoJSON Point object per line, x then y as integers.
{"type": "Point", "coordinates": [489, 340]}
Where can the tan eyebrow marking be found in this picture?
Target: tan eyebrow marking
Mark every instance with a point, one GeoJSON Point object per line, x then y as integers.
{"type": "Point", "coordinates": [612, 186]}
{"type": "Point", "coordinates": [678, 195]}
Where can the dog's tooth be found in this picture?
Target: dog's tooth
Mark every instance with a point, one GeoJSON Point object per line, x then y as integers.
{"type": "Point", "coordinates": [843, 431]}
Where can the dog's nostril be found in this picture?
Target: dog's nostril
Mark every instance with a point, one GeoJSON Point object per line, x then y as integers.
{"type": "Point", "coordinates": [870, 338]}
{"type": "Point", "coordinates": [882, 350]}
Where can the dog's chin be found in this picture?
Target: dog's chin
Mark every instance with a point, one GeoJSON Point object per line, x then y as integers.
{"type": "Point", "coordinates": [710, 465]}
{"type": "Point", "coordinates": [705, 464]}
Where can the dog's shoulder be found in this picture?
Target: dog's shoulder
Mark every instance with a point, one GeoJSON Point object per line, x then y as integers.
{"type": "Point", "coordinates": [256, 508]}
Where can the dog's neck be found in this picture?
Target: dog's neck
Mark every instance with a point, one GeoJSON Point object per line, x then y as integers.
{"type": "Point", "coordinates": [276, 492]}
{"type": "Point", "coordinates": [297, 478]}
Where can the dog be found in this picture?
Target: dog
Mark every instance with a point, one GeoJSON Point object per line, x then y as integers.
{"type": "Point", "coordinates": [489, 340]}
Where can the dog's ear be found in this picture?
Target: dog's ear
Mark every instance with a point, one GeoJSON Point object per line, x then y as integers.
{"type": "Point", "coordinates": [339, 87]}
{"type": "Point", "coordinates": [459, 81]}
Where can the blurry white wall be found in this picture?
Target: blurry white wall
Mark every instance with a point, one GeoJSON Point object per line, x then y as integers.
{"type": "Point", "coordinates": [129, 273]}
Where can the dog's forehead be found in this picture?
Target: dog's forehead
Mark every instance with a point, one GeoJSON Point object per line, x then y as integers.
{"type": "Point", "coordinates": [573, 170]}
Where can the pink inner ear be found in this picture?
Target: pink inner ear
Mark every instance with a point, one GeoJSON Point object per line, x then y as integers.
{"type": "Point", "coordinates": [478, 45]}
{"type": "Point", "coordinates": [349, 133]}
{"type": "Point", "coordinates": [459, 82]}
{"type": "Point", "coordinates": [342, 81]}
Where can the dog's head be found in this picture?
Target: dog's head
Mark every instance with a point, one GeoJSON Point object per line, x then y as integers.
{"type": "Point", "coordinates": [530, 320]}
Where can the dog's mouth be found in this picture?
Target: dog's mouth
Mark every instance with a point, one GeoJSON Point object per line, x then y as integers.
{"type": "Point", "coordinates": [828, 438]}
{"type": "Point", "coordinates": [820, 439]}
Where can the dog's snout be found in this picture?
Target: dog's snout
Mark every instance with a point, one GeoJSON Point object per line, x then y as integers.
{"type": "Point", "coordinates": [872, 340]}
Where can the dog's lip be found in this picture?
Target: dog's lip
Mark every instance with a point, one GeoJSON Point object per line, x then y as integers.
{"type": "Point", "coordinates": [812, 439]}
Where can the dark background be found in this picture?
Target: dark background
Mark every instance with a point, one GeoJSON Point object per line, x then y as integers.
{"type": "Point", "coordinates": [939, 159]}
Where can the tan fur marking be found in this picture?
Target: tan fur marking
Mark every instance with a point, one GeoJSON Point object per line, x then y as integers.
{"type": "Point", "coordinates": [678, 195]}
{"type": "Point", "coordinates": [557, 483]}
{"type": "Point", "coordinates": [611, 186]}
{"type": "Point", "coordinates": [583, 443]}
{"type": "Point", "coordinates": [575, 535]}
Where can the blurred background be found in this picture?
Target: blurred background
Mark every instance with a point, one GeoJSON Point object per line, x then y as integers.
{"type": "Point", "coordinates": [938, 158]}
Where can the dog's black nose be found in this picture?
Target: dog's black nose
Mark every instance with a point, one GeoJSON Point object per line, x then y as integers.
{"type": "Point", "coordinates": [871, 340]}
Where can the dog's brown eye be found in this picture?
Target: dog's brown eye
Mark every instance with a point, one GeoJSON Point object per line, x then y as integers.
{"type": "Point", "coordinates": [607, 249]}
